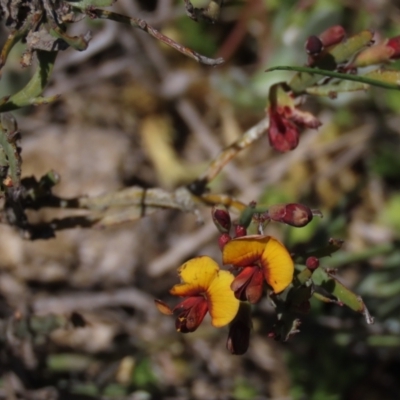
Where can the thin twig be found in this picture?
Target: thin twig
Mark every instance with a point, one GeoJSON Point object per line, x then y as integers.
{"type": "Point", "coordinates": [207, 139]}
{"type": "Point", "coordinates": [249, 137]}
{"type": "Point", "coordinates": [346, 77]}
{"type": "Point", "coordinates": [144, 26]}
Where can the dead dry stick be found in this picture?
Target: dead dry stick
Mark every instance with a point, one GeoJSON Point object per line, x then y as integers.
{"type": "Point", "coordinates": [144, 26]}
{"type": "Point", "coordinates": [249, 137]}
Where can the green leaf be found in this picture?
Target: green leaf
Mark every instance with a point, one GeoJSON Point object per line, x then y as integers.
{"type": "Point", "coordinates": [329, 61]}
{"type": "Point", "coordinates": [79, 43]}
{"type": "Point", "coordinates": [330, 284]}
{"type": "Point", "coordinates": [30, 94]}
{"type": "Point", "coordinates": [344, 51]}
{"type": "Point", "coordinates": [332, 247]}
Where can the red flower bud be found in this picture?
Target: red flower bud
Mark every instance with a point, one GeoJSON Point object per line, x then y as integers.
{"type": "Point", "coordinates": [239, 331]}
{"type": "Point", "coordinates": [333, 35]}
{"type": "Point", "coordinates": [312, 263]}
{"type": "Point", "coordinates": [238, 338]}
{"type": "Point", "coordinates": [240, 231]}
{"type": "Point", "coordinates": [394, 43]}
{"type": "Point", "coordinates": [293, 214]}
{"type": "Point", "coordinates": [283, 134]}
{"type": "Point", "coordinates": [223, 240]}
{"type": "Point", "coordinates": [221, 218]}
{"type": "Point", "coordinates": [314, 46]}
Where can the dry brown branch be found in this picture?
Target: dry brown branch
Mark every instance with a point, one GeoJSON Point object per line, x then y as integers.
{"type": "Point", "coordinates": [144, 26]}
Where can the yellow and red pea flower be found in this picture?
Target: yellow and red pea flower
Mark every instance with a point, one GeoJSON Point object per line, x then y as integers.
{"type": "Point", "coordinates": [206, 288]}
{"type": "Point", "coordinates": [261, 257]}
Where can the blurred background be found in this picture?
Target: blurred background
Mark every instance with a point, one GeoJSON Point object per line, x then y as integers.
{"type": "Point", "coordinates": [135, 112]}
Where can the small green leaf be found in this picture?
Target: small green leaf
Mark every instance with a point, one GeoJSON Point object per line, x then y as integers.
{"type": "Point", "coordinates": [298, 298]}
{"type": "Point", "coordinates": [332, 247]}
{"type": "Point", "coordinates": [329, 61]}
{"type": "Point", "coordinates": [303, 276]}
{"type": "Point", "coordinates": [344, 51]}
{"type": "Point", "coordinates": [330, 284]}
{"type": "Point", "coordinates": [79, 43]}
{"type": "Point", "coordinates": [31, 93]}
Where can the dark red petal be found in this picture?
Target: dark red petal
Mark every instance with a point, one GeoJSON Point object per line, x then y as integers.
{"type": "Point", "coordinates": [248, 285]}
{"type": "Point", "coordinates": [191, 317]}
{"type": "Point", "coordinates": [254, 289]}
{"type": "Point", "coordinates": [187, 303]}
{"type": "Point", "coordinates": [283, 134]}
{"type": "Point", "coordinates": [240, 283]}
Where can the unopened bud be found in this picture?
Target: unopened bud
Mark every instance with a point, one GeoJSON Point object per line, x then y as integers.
{"type": "Point", "coordinates": [238, 338]}
{"type": "Point", "coordinates": [333, 35]}
{"type": "Point", "coordinates": [239, 331]}
{"type": "Point", "coordinates": [223, 240]}
{"type": "Point", "coordinates": [221, 218]}
{"type": "Point", "coordinates": [314, 45]}
{"type": "Point", "coordinates": [312, 263]}
{"type": "Point", "coordinates": [394, 43]}
{"type": "Point", "coordinates": [293, 214]}
{"type": "Point", "coordinates": [240, 231]}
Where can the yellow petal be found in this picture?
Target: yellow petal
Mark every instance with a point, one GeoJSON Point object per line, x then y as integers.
{"type": "Point", "coordinates": [222, 303]}
{"type": "Point", "coordinates": [196, 275]}
{"type": "Point", "coordinates": [277, 264]}
{"type": "Point", "coordinates": [244, 251]}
